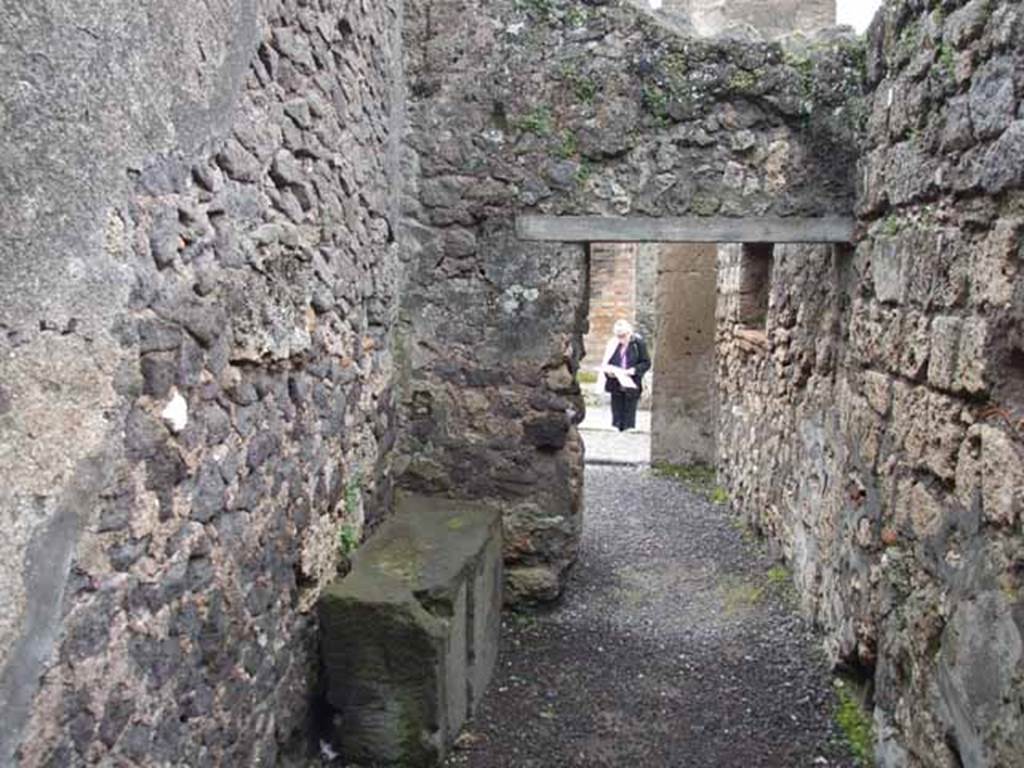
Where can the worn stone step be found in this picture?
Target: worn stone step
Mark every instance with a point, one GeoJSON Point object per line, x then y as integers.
{"type": "Point", "coordinates": [409, 637]}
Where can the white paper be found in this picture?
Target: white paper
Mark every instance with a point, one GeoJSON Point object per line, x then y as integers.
{"type": "Point", "coordinates": [624, 379]}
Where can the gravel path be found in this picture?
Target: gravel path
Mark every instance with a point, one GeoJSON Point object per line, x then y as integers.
{"type": "Point", "coordinates": [675, 645]}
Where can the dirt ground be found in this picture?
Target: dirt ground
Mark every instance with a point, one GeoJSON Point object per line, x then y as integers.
{"type": "Point", "coordinates": [677, 643]}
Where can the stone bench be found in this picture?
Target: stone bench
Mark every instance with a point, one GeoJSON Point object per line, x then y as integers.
{"type": "Point", "coordinates": [409, 638]}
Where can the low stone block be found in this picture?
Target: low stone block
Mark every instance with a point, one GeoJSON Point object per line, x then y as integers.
{"type": "Point", "coordinates": [409, 638]}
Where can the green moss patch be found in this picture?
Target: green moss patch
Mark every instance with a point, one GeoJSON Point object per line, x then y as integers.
{"type": "Point", "coordinates": [741, 596]}
{"type": "Point", "coordinates": [778, 575]}
{"type": "Point", "coordinates": [855, 723]}
{"type": "Point", "coordinates": [698, 478]}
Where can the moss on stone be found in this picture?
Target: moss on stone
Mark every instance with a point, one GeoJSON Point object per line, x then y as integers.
{"type": "Point", "coordinates": [655, 101]}
{"type": "Point", "coordinates": [537, 121]}
{"type": "Point", "coordinates": [778, 575]}
{"type": "Point", "coordinates": [856, 726]}
{"type": "Point", "coordinates": [542, 10]}
{"type": "Point", "coordinates": [743, 82]}
{"type": "Point", "coordinates": [890, 226]}
{"type": "Point", "coordinates": [348, 539]}
{"type": "Point", "coordinates": [740, 596]}
{"type": "Point", "coordinates": [569, 146]}
{"type": "Point", "coordinates": [576, 17]}
{"type": "Point", "coordinates": [583, 173]}
{"type": "Point", "coordinates": [584, 88]}
{"type": "Point", "coordinates": [676, 66]}
{"type": "Point", "coordinates": [910, 39]}
{"type": "Point", "coordinates": [699, 478]}
{"type": "Point", "coordinates": [719, 495]}
{"type": "Point", "coordinates": [402, 562]}
{"type": "Point", "coordinates": [947, 61]}
{"type": "Point", "coordinates": [705, 205]}
{"type": "Point", "coordinates": [457, 523]}
{"type": "Point", "coordinates": [353, 494]}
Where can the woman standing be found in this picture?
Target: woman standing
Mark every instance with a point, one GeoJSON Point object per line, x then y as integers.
{"type": "Point", "coordinates": [625, 363]}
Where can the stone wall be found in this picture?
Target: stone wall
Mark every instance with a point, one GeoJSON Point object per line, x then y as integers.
{"type": "Point", "coordinates": [875, 431]}
{"type": "Point", "coordinates": [197, 290]}
{"type": "Point", "coordinates": [566, 107]}
{"type": "Point", "coordinates": [779, 390]}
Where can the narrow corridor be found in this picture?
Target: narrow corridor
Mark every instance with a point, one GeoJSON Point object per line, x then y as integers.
{"type": "Point", "coordinates": [676, 644]}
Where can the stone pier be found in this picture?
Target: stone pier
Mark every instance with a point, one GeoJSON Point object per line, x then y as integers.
{"type": "Point", "coordinates": [684, 412]}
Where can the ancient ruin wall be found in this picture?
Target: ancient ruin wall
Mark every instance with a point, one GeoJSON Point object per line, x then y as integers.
{"type": "Point", "coordinates": [568, 107]}
{"type": "Point", "coordinates": [886, 401]}
{"type": "Point", "coordinates": [198, 209]}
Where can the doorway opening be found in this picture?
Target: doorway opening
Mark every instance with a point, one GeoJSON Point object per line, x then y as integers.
{"type": "Point", "coordinates": [667, 291]}
{"type": "Point", "coordinates": [691, 284]}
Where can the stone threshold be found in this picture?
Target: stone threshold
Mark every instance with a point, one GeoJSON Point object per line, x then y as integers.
{"type": "Point", "coordinates": [600, 462]}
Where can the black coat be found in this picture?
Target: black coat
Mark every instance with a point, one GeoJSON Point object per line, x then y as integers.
{"type": "Point", "coordinates": [637, 358]}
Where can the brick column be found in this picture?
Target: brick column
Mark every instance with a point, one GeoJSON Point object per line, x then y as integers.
{"type": "Point", "coordinates": [612, 294]}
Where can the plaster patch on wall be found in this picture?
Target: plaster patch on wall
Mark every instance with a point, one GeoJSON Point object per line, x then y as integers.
{"type": "Point", "coordinates": [516, 296]}
{"type": "Point", "coordinates": [175, 413]}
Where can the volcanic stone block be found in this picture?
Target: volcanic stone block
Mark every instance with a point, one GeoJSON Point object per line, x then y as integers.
{"type": "Point", "coordinates": [409, 637]}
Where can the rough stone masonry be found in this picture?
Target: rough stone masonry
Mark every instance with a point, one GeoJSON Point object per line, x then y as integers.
{"type": "Point", "coordinates": [197, 292]}
{"type": "Point", "coordinates": [571, 108]}
{"type": "Point", "coordinates": [259, 266]}
{"type": "Point", "coordinates": [886, 400]}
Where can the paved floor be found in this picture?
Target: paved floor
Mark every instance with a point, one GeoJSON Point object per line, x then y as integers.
{"type": "Point", "coordinates": [606, 445]}
{"type": "Point", "coordinates": [677, 644]}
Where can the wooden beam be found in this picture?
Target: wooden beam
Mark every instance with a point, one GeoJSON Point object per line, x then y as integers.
{"type": "Point", "coordinates": [697, 229]}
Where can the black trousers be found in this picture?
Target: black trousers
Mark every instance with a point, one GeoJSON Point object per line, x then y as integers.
{"type": "Point", "coordinates": [624, 410]}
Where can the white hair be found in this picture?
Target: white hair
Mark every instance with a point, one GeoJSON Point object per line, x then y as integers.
{"type": "Point", "coordinates": [622, 326]}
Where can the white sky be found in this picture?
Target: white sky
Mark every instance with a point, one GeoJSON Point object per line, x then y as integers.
{"type": "Point", "coordinates": [857, 13]}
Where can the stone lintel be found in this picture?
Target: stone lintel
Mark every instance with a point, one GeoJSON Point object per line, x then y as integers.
{"type": "Point", "coordinates": [692, 229]}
